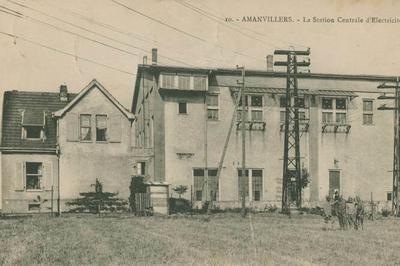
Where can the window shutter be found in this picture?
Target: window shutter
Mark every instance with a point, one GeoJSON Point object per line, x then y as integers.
{"type": "Point", "coordinates": [47, 176]}
{"type": "Point", "coordinates": [72, 127]}
{"type": "Point", "coordinates": [20, 176]}
{"type": "Point", "coordinates": [115, 128]}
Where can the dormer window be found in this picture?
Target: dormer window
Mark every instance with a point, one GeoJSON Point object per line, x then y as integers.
{"type": "Point", "coordinates": [33, 123]}
{"type": "Point", "coordinates": [33, 132]}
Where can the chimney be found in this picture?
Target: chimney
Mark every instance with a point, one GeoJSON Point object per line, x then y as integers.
{"type": "Point", "coordinates": [145, 60]}
{"type": "Point", "coordinates": [154, 56]}
{"type": "Point", "coordinates": [63, 93]}
{"type": "Point", "coordinates": [270, 63]}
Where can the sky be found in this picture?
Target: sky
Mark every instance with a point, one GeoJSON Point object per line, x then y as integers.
{"type": "Point", "coordinates": [45, 43]}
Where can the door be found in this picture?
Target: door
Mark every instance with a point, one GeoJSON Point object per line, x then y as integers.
{"type": "Point", "coordinates": [334, 182]}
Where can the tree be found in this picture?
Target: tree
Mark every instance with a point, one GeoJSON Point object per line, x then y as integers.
{"type": "Point", "coordinates": [305, 178]}
{"type": "Point", "coordinates": [97, 201]}
{"type": "Point", "coordinates": [180, 190]}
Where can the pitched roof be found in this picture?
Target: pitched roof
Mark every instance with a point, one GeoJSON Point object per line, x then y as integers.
{"type": "Point", "coordinates": [93, 84]}
{"type": "Point", "coordinates": [29, 108]}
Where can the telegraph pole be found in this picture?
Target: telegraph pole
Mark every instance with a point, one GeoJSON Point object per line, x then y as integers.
{"type": "Point", "coordinates": [243, 124]}
{"type": "Point", "coordinates": [396, 141]}
{"type": "Point", "coordinates": [291, 180]}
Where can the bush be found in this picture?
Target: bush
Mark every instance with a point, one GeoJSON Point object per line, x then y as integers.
{"type": "Point", "coordinates": [270, 208]}
{"type": "Point", "coordinates": [179, 205]}
{"type": "Point", "coordinates": [97, 202]}
{"type": "Point", "coordinates": [385, 212]}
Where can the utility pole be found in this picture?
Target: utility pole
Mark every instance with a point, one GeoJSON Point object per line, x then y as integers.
{"type": "Point", "coordinates": [396, 141]}
{"type": "Point", "coordinates": [291, 179]}
{"type": "Point", "coordinates": [243, 124]}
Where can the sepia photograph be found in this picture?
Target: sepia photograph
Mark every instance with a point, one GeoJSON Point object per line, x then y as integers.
{"type": "Point", "coordinates": [183, 132]}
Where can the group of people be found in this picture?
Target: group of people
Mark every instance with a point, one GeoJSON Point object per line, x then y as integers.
{"type": "Point", "coordinates": [350, 212]}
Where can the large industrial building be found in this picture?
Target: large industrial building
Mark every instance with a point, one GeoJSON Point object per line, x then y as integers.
{"type": "Point", "coordinates": [183, 116]}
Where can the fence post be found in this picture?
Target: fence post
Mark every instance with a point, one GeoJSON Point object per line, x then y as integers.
{"type": "Point", "coordinates": [372, 206]}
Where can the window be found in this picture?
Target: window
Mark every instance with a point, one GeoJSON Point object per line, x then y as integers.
{"type": "Point", "coordinates": [33, 132]}
{"type": "Point", "coordinates": [334, 182]}
{"type": "Point", "coordinates": [168, 81]}
{"type": "Point", "coordinates": [33, 206]}
{"type": "Point", "coordinates": [33, 175]}
{"type": "Point", "coordinates": [368, 108]}
{"type": "Point", "coordinates": [182, 108]}
{"type": "Point", "coordinates": [257, 184]}
{"type": "Point", "coordinates": [282, 101]}
{"type": "Point", "coordinates": [101, 128]}
{"type": "Point", "coordinates": [341, 118]}
{"type": "Point", "coordinates": [246, 100]}
{"type": "Point", "coordinates": [341, 104]}
{"type": "Point", "coordinates": [86, 127]}
{"type": "Point", "coordinates": [212, 106]}
{"type": "Point", "coordinates": [256, 101]}
{"type": "Point", "coordinates": [33, 122]}
{"type": "Point", "coordinates": [200, 184]}
{"type": "Point", "coordinates": [334, 111]}
{"type": "Point", "coordinates": [213, 184]}
{"type": "Point", "coordinates": [300, 102]}
{"type": "Point", "coordinates": [256, 178]}
{"type": "Point", "coordinates": [184, 82]}
{"type": "Point", "coordinates": [326, 103]}
{"type": "Point", "coordinates": [141, 168]}
{"type": "Point", "coordinates": [257, 115]}
{"type": "Point", "coordinates": [389, 196]}
{"type": "Point", "coordinates": [244, 183]}
{"type": "Point", "coordinates": [254, 104]}
{"type": "Point", "coordinates": [302, 116]}
{"type": "Point", "coordinates": [200, 83]}
{"type": "Point", "coordinates": [327, 117]}
{"type": "Point", "coordinates": [282, 116]}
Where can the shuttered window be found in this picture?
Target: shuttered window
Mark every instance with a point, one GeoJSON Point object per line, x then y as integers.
{"type": "Point", "coordinates": [168, 81]}
{"type": "Point", "coordinates": [200, 83]}
{"type": "Point", "coordinates": [72, 127]}
{"type": "Point", "coordinates": [184, 82]}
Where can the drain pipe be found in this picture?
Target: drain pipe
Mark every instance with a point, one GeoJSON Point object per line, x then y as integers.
{"type": "Point", "coordinates": [58, 168]}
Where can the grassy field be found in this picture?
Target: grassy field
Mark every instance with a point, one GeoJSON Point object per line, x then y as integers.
{"type": "Point", "coordinates": [224, 239]}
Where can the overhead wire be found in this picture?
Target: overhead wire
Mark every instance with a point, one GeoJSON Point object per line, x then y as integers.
{"type": "Point", "coordinates": [239, 26]}
{"type": "Point", "coordinates": [88, 30]}
{"type": "Point", "coordinates": [66, 53]}
{"type": "Point", "coordinates": [180, 30]}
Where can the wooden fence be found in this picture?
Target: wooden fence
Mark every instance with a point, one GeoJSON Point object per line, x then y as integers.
{"type": "Point", "coordinates": [143, 205]}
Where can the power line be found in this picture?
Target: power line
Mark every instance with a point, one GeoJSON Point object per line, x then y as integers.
{"type": "Point", "coordinates": [203, 13]}
{"type": "Point", "coordinates": [66, 53]}
{"type": "Point", "coordinates": [238, 26]}
{"type": "Point", "coordinates": [177, 29]}
{"type": "Point", "coordinates": [128, 34]}
{"type": "Point", "coordinates": [72, 33]}
{"type": "Point", "coordinates": [88, 30]}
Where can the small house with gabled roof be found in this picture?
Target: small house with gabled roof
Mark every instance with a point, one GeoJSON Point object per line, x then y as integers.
{"type": "Point", "coordinates": [55, 145]}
